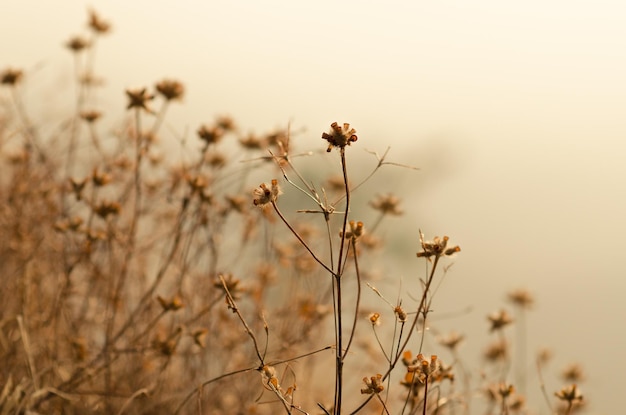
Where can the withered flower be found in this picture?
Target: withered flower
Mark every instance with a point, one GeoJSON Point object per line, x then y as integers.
{"type": "Point", "coordinates": [424, 368]}
{"type": "Point", "coordinates": [172, 304]}
{"type": "Point", "coordinates": [106, 208]}
{"type": "Point", "coordinates": [521, 298]}
{"type": "Point", "coordinates": [499, 319]}
{"type": "Point", "coordinates": [387, 204]}
{"type": "Point", "coordinates": [437, 247]}
{"type": "Point", "coordinates": [76, 44]}
{"type": "Point", "coordinates": [355, 232]}
{"type": "Point", "coordinates": [264, 194]}
{"type": "Point", "coordinates": [570, 394]}
{"type": "Point", "coordinates": [199, 337]}
{"type": "Point", "coordinates": [170, 89]}
{"type": "Point", "coordinates": [77, 187]}
{"type": "Point", "coordinates": [497, 350]}
{"type": "Point", "coordinates": [97, 24]}
{"type": "Point", "coordinates": [233, 285]}
{"type": "Point", "coordinates": [451, 341]}
{"type": "Point", "coordinates": [252, 142]}
{"type": "Point", "coordinates": [139, 98]}
{"type": "Point", "coordinates": [100, 178]}
{"type": "Point", "coordinates": [90, 116]}
{"type": "Point", "coordinates": [10, 76]}
{"type": "Point", "coordinates": [374, 384]}
{"type": "Point", "coordinates": [210, 135]}
{"type": "Point", "coordinates": [226, 123]}
{"type": "Point", "coordinates": [573, 373]}
{"type": "Point", "coordinates": [339, 137]}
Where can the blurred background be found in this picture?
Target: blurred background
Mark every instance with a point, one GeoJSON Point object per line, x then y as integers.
{"type": "Point", "coordinates": [513, 111]}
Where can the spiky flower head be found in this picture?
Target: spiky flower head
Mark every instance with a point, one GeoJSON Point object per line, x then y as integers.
{"type": "Point", "coordinates": [339, 137]}
{"type": "Point", "coordinates": [264, 194]}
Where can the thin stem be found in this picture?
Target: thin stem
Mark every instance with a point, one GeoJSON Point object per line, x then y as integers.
{"type": "Point", "coordinates": [358, 295]}
{"type": "Point", "coordinates": [425, 394]}
{"type": "Point", "coordinates": [338, 275]}
{"type": "Point", "coordinates": [411, 331]}
{"type": "Point", "coordinates": [295, 233]}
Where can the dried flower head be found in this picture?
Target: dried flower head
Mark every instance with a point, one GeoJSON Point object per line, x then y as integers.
{"type": "Point", "coordinates": [170, 89]}
{"type": "Point", "coordinates": [505, 390]}
{"type": "Point", "coordinates": [233, 285]}
{"type": "Point", "coordinates": [499, 319]}
{"type": "Point", "coordinates": [210, 135]}
{"type": "Point", "coordinates": [573, 373]}
{"type": "Point", "coordinates": [339, 137]}
{"type": "Point", "coordinates": [437, 247]}
{"type": "Point", "coordinates": [252, 142]}
{"type": "Point", "coordinates": [226, 123]}
{"type": "Point", "coordinates": [97, 24]}
{"type": "Point", "coordinates": [375, 319]}
{"type": "Point", "coordinates": [171, 304]}
{"type": "Point", "coordinates": [199, 337]}
{"type": "Point", "coordinates": [100, 178]}
{"type": "Point", "coordinates": [10, 76]}
{"type": "Point", "coordinates": [264, 194]}
{"type": "Point", "coordinates": [521, 298]}
{"type": "Point", "coordinates": [106, 208]}
{"type": "Point", "coordinates": [571, 394]}
{"type": "Point", "coordinates": [451, 341]}
{"type": "Point", "coordinates": [77, 44]}
{"type": "Point", "coordinates": [215, 159]}
{"type": "Point", "coordinates": [77, 187]}
{"type": "Point", "coordinates": [498, 350]}
{"type": "Point", "coordinates": [355, 232]}
{"type": "Point", "coordinates": [424, 368]}
{"type": "Point", "coordinates": [374, 384]}
{"type": "Point", "coordinates": [400, 314]}
{"type": "Point", "coordinates": [139, 98]}
{"type": "Point", "coordinates": [268, 375]}
{"type": "Point", "coordinates": [90, 116]}
{"type": "Point", "coordinates": [387, 204]}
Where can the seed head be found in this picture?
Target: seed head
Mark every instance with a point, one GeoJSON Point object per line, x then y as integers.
{"type": "Point", "coordinates": [355, 232]}
{"type": "Point", "coordinates": [387, 204]}
{"type": "Point", "coordinates": [170, 89]}
{"type": "Point", "coordinates": [570, 394]}
{"type": "Point", "coordinates": [139, 98]}
{"type": "Point", "coordinates": [171, 304]}
{"type": "Point", "coordinates": [451, 341]}
{"type": "Point", "coordinates": [96, 23]}
{"type": "Point", "coordinates": [499, 319]}
{"type": "Point", "coordinates": [375, 319]}
{"type": "Point", "coordinates": [437, 247]}
{"type": "Point", "coordinates": [76, 44]}
{"type": "Point", "coordinates": [339, 136]}
{"type": "Point", "coordinates": [573, 373]}
{"type": "Point", "coordinates": [373, 385]}
{"type": "Point", "coordinates": [521, 298]}
{"type": "Point", "coordinates": [10, 76]}
{"type": "Point", "coordinates": [264, 194]}
{"type": "Point", "coordinates": [90, 116]}
{"type": "Point", "coordinates": [424, 368]}
{"type": "Point", "coordinates": [210, 135]}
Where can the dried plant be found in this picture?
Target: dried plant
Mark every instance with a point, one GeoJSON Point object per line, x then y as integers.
{"type": "Point", "coordinates": [141, 284]}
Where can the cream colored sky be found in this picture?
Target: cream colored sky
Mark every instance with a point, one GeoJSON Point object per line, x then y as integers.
{"type": "Point", "coordinates": [514, 110]}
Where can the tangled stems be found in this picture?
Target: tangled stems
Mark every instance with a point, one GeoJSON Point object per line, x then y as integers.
{"type": "Point", "coordinates": [397, 357]}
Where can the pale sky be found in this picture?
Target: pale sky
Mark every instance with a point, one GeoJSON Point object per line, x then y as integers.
{"type": "Point", "coordinates": [513, 110]}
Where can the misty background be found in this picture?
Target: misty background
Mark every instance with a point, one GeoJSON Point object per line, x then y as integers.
{"type": "Point", "coordinates": [513, 111]}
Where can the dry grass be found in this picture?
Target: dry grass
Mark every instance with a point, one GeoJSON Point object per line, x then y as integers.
{"type": "Point", "coordinates": [141, 284]}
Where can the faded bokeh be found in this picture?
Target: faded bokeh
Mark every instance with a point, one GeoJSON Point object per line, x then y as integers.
{"type": "Point", "coordinates": [513, 111]}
